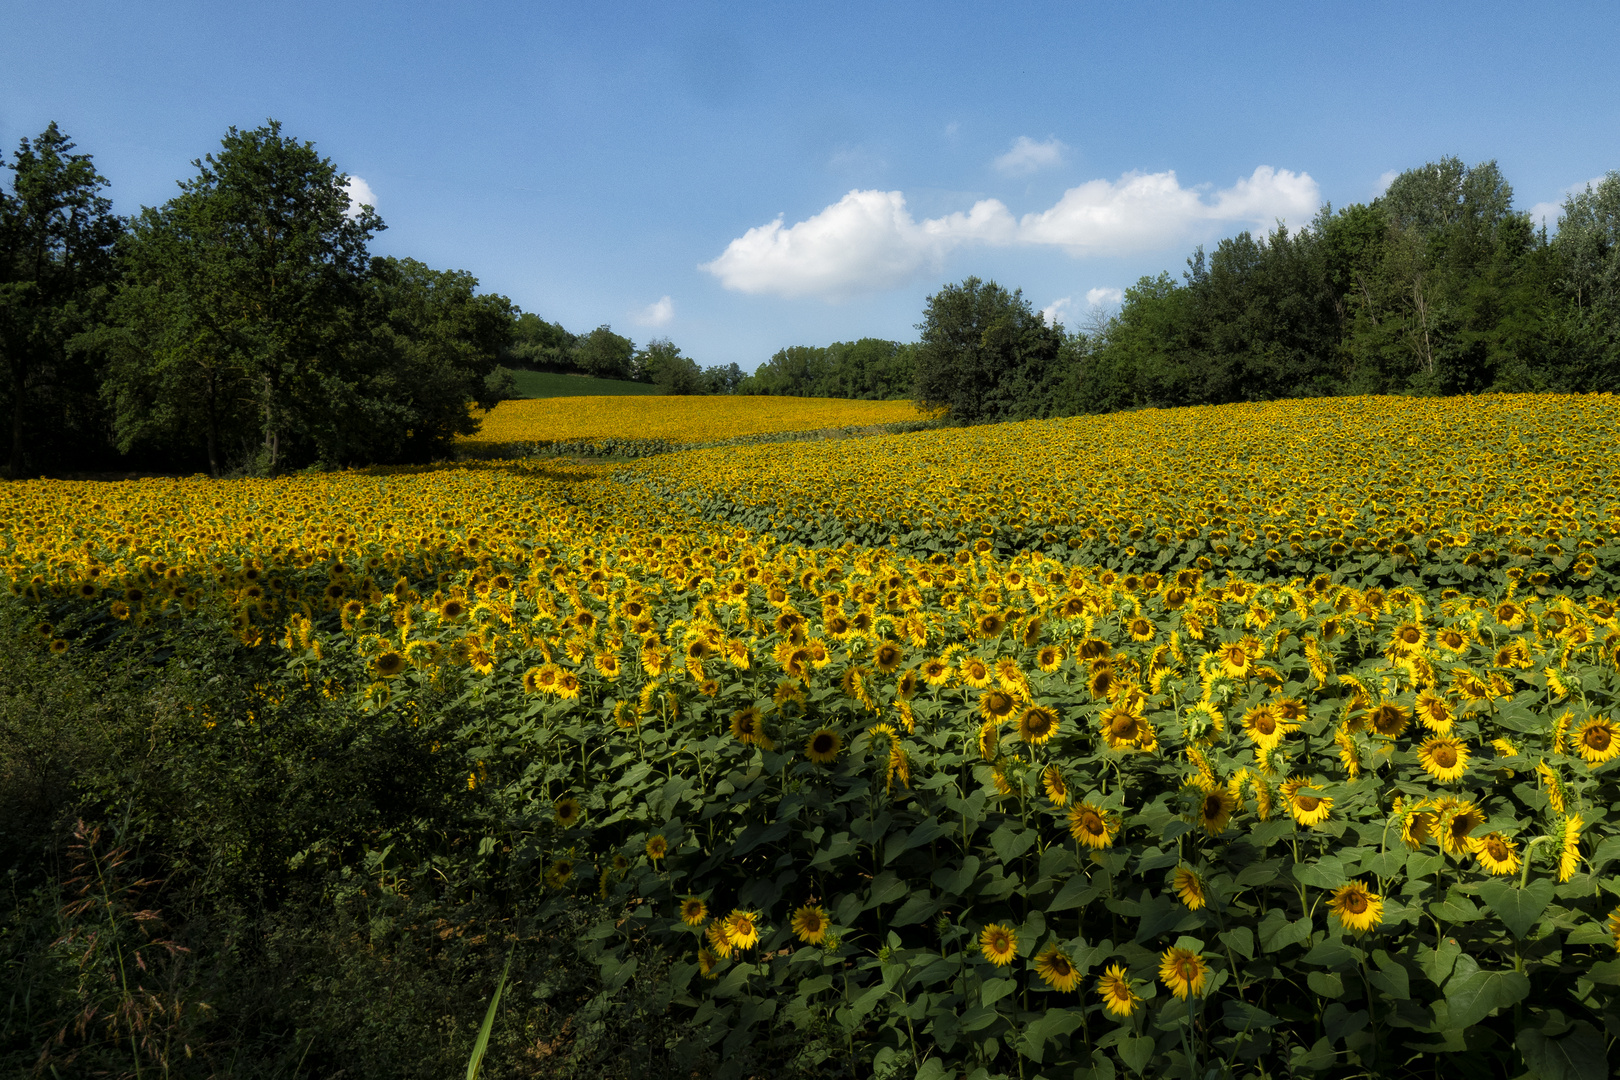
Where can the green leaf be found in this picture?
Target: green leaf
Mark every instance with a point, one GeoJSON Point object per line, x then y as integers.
{"type": "Point", "coordinates": [1011, 841]}
{"type": "Point", "coordinates": [1338, 1022]}
{"type": "Point", "coordinates": [1472, 996]}
{"type": "Point", "coordinates": [1579, 1055]}
{"type": "Point", "coordinates": [475, 1064]}
{"type": "Point", "coordinates": [1327, 872]}
{"type": "Point", "coordinates": [918, 906]}
{"type": "Point", "coordinates": [1277, 933]}
{"type": "Point", "coordinates": [1519, 909]}
{"type": "Point", "coordinates": [1077, 891]}
{"type": "Point", "coordinates": [1136, 1052]}
{"type": "Point", "coordinates": [993, 990]}
{"type": "Point", "coordinates": [1240, 939]}
{"type": "Point", "coordinates": [1241, 1016]}
{"type": "Point", "coordinates": [932, 1069]}
{"type": "Point", "coordinates": [1325, 984]}
{"type": "Point", "coordinates": [1054, 1025]}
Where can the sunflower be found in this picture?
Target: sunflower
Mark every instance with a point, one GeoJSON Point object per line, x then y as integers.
{"type": "Point", "coordinates": [1495, 853]}
{"type": "Point", "coordinates": [716, 935]}
{"type": "Point", "coordinates": [1443, 758]}
{"type": "Point", "coordinates": [1266, 727]}
{"type": "Point", "coordinates": [707, 962]}
{"type": "Point", "coordinates": [1418, 824]}
{"type": "Point", "coordinates": [1054, 967]}
{"type": "Point", "coordinates": [449, 611]}
{"type": "Point", "coordinates": [1140, 629]}
{"type": "Point", "coordinates": [1434, 713]}
{"type": "Point", "coordinates": [810, 924]}
{"type": "Point", "coordinates": [1049, 658]}
{"type": "Point", "coordinates": [1037, 724]}
{"type": "Point", "coordinates": [999, 944]}
{"type": "Point", "coordinates": [60, 646]}
{"type": "Point", "coordinates": [1011, 676]}
{"type": "Point", "coordinates": [1457, 821]}
{"type": "Point", "coordinates": [567, 684]}
{"type": "Point", "coordinates": [975, 672]}
{"type": "Point", "coordinates": [388, 665]}
{"type": "Point", "coordinates": [1056, 789]}
{"type": "Point", "coordinates": [1614, 926]}
{"type": "Point", "coordinates": [887, 657]}
{"type": "Point", "coordinates": [1569, 856]}
{"type": "Point", "coordinates": [1189, 887]}
{"type": "Point", "coordinates": [741, 928]}
{"type": "Point", "coordinates": [905, 688]}
{"type": "Point", "coordinates": [1357, 907]}
{"type": "Point", "coordinates": [990, 624]}
{"type": "Point", "coordinates": [1450, 640]}
{"type": "Point", "coordinates": [1122, 727]}
{"type": "Point", "coordinates": [936, 672]}
{"type": "Point", "coordinates": [1309, 810]}
{"type": "Point", "coordinates": [1597, 741]}
{"type": "Point", "coordinates": [560, 873]}
{"type": "Point", "coordinates": [823, 746]}
{"type": "Point", "coordinates": [657, 847]}
{"type": "Point", "coordinates": [1235, 661]}
{"type": "Point", "coordinates": [746, 726]}
{"type": "Point", "coordinates": [1389, 720]}
{"type": "Point", "coordinates": [1184, 972]}
{"type": "Point", "coordinates": [694, 911]}
{"type": "Point", "coordinates": [1092, 825]}
{"type": "Point", "coordinates": [996, 705]}
{"type": "Point", "coordinates": [1408, 636]}
{"type": "Point", "coordinates": [1114, 987]}
{"type": "Point", "coordinates": [568, 811]}
{"type": "Point", "coordinates": [1215, 807]}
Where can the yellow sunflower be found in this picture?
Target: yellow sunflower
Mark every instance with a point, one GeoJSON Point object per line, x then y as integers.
{"type": "Point", "coordinates": [694, 911]}
{"type": "Point", "coordinates": [1444, 758]}
{"type": "Point", "coordinates": [1597, 741]}
{"type": "Point", "coordinates": [747, 727]}
{"type": "Point", "coordinates": [1215, 807]}
{"type": "Point", "coordinates": [1357, 907]}
{"type": "Point", "coordinates": [1140, 629]}
{"type": "Point", "coordinates": [1434, 713]}
{"type": "Point", "coordinates": [1495, 853]}
{"type": "Point", "coordinates": [1114, 987]}
{"type": "Point", "coordinates": [1184, 972]}
{"type": "Point", "coordinates": [1055, 968]}
{"type": "Point", "coordinates": [741, 928]}
{"type": "Point", "coordinates": [568, 811]}
{"type": "Point", "coordinates": [1037, 724]}
{"type": "Point", "coordinates": [1614, 926]}
{"type": "Point", "coordinates": [1235, 661]}
{"type": "Point", "coordinates": [1569, 856]}
{"type": "Point", "coordinates": [1418, 824]}
{"type": "Point", "coordinates": [996, 705]}
{"type": "Point", "coordinates": [887, 657]}
{"type": "Point", "coordinates": [1389, 720]}
{"type": "Point", "coordinates": [999, 944]}
{"type": "Point", "coordinates": [823, 746]}
{"type": "Point", "coordinates": [1123, 727]}
{"type": "Point", "coordinates": [1056, 789]}
{"type": "Point", "coordinates": [1266, 727]}
{"type": "Point", "coordinates": [1189, 887]}
{"type": "Point", "coordinates": [1092, 825]}
{"type": "Point", "coordinates": [707, 962]}
{"type": "Point", "coordinates": [718, 941]}
{"type": "Point", "coordinates": [810, 924]}
{"type": "Point", "coordinates": [1049, 658]}
{"type": "Point", "coordinates": [560, 873]}
{"type": "Point", "coordinates": [1457, 821]}
{"type": "Point", "coordinates": [976, 673]}
{"type": "Point", "coordinates": [388, 665]}
{"type": "Point", "coordinates": [936, 672]}
{"type": "Point", "coordinates": [1307, 809]}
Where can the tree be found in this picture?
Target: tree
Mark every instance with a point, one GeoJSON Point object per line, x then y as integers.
{"type": "Point", "coordinates": [257, 269]}
{"type": "Point", "coordinates": [604, 354]}
{"type": "Point", "coordinates": [986, 354]}
{"type": "Point", "coordinates": [662, 364]}
{"type": "Point", "coordinates": [539, 345]}
{"type": "Point", "coordinates": [57, 233]}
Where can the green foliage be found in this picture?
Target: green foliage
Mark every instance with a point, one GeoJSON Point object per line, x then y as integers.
{"type": "Point", "coordinates": [57, 232]}
{"type": "Point", "coordinates": [869, 369]}
{"type": "Point", "coordinates": [544, 384]}
{"type": "Point", "coordinates": [986, 354]}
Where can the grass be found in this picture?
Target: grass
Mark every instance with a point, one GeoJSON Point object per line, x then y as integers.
{"type": "Point", "coordinates": [547, 384]}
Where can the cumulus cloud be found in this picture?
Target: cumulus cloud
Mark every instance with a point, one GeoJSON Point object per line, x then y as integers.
{"type": "Point", "coordinates": [869, 241]}
{"type": "Point", "coordinates": [658, 313]}
{"type": "Point", "coordinates": [1386, 179]}
{"type": "Point", "coordinates": [1103, 297]}
{"type": "Point", "coordinates": [360, 194]}
{"type": "Point", "coordinates": [1027, 156]}
{"type": "Point", "coordinates": [1546, 213]}
{"type": "Point", "coordinates": [1054, 312]}
{"type": "Point", "coordinates": [1149, 211]}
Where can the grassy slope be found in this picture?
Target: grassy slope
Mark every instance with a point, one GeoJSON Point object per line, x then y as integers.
{"type": "Point", "coordinates": [544, 384]}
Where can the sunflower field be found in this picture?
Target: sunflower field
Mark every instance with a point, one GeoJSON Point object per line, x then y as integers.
{"type": "Point", "coordinates": [1251, 741]}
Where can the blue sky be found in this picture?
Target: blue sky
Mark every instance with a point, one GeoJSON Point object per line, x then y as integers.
{"type": "Point", "coordinates": [741, 177]}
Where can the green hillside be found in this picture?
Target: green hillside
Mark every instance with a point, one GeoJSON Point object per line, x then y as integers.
{"type": "Point", "coordinates": [540, 384]}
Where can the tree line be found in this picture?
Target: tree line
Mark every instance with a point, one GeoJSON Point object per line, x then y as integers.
{"type": "Point", "coordinates": [1438, 286]}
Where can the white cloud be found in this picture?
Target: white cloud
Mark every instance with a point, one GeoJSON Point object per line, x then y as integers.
{"type": "Point", "coordinates": [360, 194]}
{"type": "Point", "coordinates": [1546, 213]}
{"type": "Point", "coordinates": [1104, 297]}
{"type": "Point", "coordinates": [1149, 211]}
{"type": "Point", "coordinates": [1053, 313]}
{"type": "Point", "coordinates": [868, 240]}
{"type": "Point", "coordinates": [1386, 179]}
{"type": "Point", "coordinates": [658, 313]}
{"type": "Point", "coordinates": [1027, 156]}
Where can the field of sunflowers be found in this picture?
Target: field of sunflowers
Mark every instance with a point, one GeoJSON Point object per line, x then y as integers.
{"type": "Point", "coordinates": [1263, 740]}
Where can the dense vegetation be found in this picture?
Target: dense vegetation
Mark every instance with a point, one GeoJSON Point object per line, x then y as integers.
{"type": "Point", "coordinates": [1242, 740]}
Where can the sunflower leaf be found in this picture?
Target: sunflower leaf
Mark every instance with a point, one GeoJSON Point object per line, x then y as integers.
{"type": "Point", "coordinates": [1472, 996]}
{"type": "Point", "coordinates": [1519, 909]}
{"type": "Point", "coordinates": [1579, 1055]}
